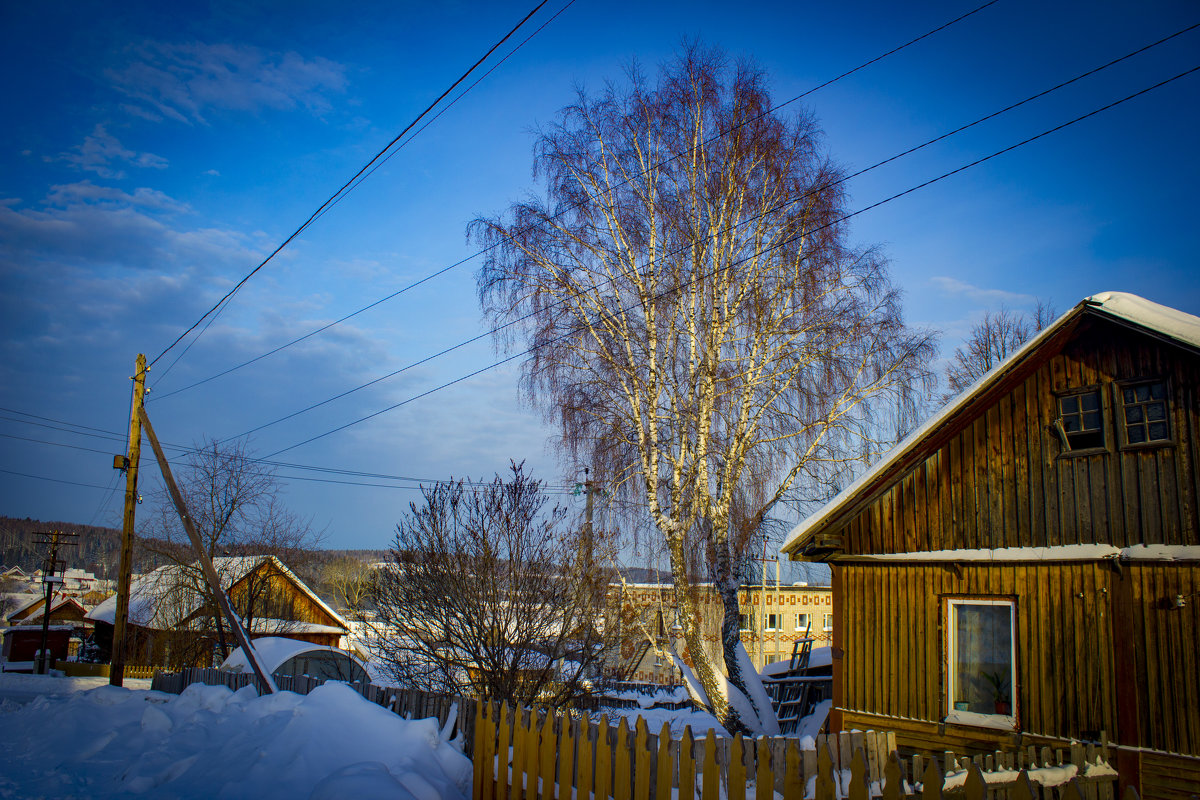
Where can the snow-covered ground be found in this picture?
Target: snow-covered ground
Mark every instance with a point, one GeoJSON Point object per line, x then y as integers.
{"type": "Point", "coordinates": [209, 742]}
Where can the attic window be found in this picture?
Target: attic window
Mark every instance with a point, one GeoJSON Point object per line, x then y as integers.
{"type": "Point", "coordinates": [1082, 420]}
{"type": "Point", "coordinates": [1145, 412]}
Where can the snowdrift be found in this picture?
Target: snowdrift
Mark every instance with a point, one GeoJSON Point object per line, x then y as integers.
{"type": "Point", "coordinates": [210, 742]}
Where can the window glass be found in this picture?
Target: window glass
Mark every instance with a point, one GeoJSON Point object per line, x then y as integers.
{"type": "Point", "coordinates": [744, 622]}
{"type": "Point", "coordinates": [773, 622]}
{"type": "Point", "coordinates": [980, 657]}
{"type": "Point", "coordinates": [1145, 412]}
{"type": "Point", "coordinates": [802, 622]}
{"type": "Point", "coordinates": [829, 622]}
{"type": "Point", "coordinates": [1082, 420]}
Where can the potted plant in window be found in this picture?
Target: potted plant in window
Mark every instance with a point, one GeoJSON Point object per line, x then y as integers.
{"type": "Point", "coordinates": [999, 685]}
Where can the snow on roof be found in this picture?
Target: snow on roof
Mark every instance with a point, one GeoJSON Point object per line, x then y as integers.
{"type": "Point", "coordinates": [163, 598]}
{"type": "Point", "coordinates": [25, 600]}
{"type": "Point", "coordinates": [1168, 322]}
{"type": "Point", "coordinates": [274, 652]}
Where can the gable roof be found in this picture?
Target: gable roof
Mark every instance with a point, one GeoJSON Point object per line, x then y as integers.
{"type": "Point", "coordinates": [1168, 324]}
{"type": "Point", "coordinates": [165, 597]}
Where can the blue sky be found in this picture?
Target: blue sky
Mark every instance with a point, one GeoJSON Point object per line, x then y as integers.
{"type": "Point", "coordinates": [153, 153]}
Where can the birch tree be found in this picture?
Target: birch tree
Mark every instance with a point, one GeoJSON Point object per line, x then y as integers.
{"type": "Point", "coordinates": [993, 339]}
{"type": "Point", "coordinates": [697, 324]}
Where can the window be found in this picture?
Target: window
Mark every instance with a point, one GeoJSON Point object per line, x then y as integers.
{"type": "Point", "coordinates": [1082, 420]}
{"type": "Point", "coordinates": [774, 622]}
{"type": "Point", "coordinates": [1144, 412]}
{"type": "Point", "coordinates": [744, 622]}
{"type": "Point", "coordinates": [829, 622]}
{"type": "Point", "coordinates": [802, 622]}
{"type": "Point", "coordinates": [980, 668]}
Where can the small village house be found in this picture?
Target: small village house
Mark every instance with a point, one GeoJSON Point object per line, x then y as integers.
{"type": "Point", "coordinates": [171, 618]}
{"type": "Point", "coordinates": [1025, 567]}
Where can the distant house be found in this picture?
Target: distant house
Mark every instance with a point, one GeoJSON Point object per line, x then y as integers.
{"type": "Point", "coordinates": [1025, 567]}
{"type": "Point", "coordinates": [771, 622]}
{"type": "Point", "coordinates": [172, 622]}
{"type": "Point", "coordinates": [64, 611]}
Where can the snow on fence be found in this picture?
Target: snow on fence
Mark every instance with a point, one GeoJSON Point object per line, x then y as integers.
{"type": "Point", "coordinates": [530, 754]}
{"type": "Point", "coordinates": [458, 712]}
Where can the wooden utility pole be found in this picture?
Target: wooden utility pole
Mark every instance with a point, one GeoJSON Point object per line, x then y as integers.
{"type": "Point", "coordinates": [116, 674]}
{"type": "Point", "coordinates": [49, 579]}
{"type": "Point", "coordinates": [210, 572]}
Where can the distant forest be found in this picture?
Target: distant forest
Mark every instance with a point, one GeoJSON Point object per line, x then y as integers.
{"type": "Point", "coordinates": [98, 549]}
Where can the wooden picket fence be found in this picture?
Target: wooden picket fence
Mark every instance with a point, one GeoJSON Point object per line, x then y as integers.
{"type": "Point", "coordinates": [525, 754]}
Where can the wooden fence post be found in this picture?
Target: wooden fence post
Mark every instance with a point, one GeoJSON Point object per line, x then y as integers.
{"type": "Point", "coordinates": [641, 761]}
{"type": "Point", "coordinates": [931, 782]}
{"type": "Point", "coordinates": [666, 749]}
{"type": "Point", "coordinates": [764, 771]}
{"type": "Point", "coordinates": [622, 779]}
{"type": "Point", "coordinates": [711, 786]}
{"type": "Point", "coordinates": [735, 775]}
{"type": "Point", "coordinates": [546, 756]}
{"type": "Point", "coordinates": [687, 765]}
{"type": "Point", "coordinates": [859, 787]}
{"type": "Point", "coordinates": [826, 788]}
{"type": "Point", "coordinates": [566, 756]}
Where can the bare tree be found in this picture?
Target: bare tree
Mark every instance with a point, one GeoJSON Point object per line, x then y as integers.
{"type": "Point", "coordinates": [992, 340]}
{"type": "Point", "coordinates": [490, 592]}
{"type": "Point", "coordinates": [697, 324]}
{"type": "Point", "coordinates": [350, 580]}
{"type": "Point", "coordinates": [236, 504]}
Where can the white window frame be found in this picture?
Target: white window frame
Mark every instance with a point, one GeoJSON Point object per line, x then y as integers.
{"type": "Point", "coordinates": [999, 721]}
{"type": "Point", "coordinates": [828, 622]}
{"type": "Point", "coordinates": [802, 626]}
{"type": "Point", "coordinates": [778, 624]}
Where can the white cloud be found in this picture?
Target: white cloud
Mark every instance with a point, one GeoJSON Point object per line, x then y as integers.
{"type": "Point", "coordinates": [102, 154]}
{"type": "Point", "coordinates": [954, 286]}
{"type": "Point", "coordinates": [183, 81]}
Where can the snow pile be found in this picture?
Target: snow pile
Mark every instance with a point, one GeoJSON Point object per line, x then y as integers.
{"type": "Point", "coordinates": [210, 742]}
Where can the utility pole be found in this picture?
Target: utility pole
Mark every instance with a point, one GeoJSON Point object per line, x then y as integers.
{"type": "Point", "coordinates": [49, 567]}
{"type": "Point", "coordinates": [116, 674]}
{"type": "Point", "coordinates": [210, 572]}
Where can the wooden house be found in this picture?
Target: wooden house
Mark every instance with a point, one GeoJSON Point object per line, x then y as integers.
{"type": "Point", "coordinates": [172, 623]}
{"type": "Point", "coordinates": [1025, 567]}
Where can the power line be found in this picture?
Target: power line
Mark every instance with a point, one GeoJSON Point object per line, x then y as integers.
{"type": "Point", "coordinates": [54, 480]}
{"type": "Point", "coordinates": [774, 209]}
{"type": "Point", "coordinates": [842, 219]}
{"type": "Point", "coordinates": [342, 190]}
{"type": "Point", "coordinates": [368, 174]}
{"type": "Point", "coordinates": [284, 465]}
{"type": "Point", "coordinates": [471, 257]}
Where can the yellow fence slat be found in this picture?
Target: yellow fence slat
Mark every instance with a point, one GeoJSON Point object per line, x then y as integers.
{"type": "Point", "coordinates": [583, 783]}
{"type": "Point", "coordinates": [662, 782]}
{"type": "Point", "coordinates": [793, 778]}
{"type": "Point", "coordinates": [932, 781]}
{"type": "Point", "coordinates": [603, 761]}
{"type": "Point", "coordinates": [764, 776]}
{"type": "Point", "coordinates": [711, 786]}
{"type": "Point", "coordinates": [489, 752]}
{"type": "Point", "coordinates": [532, 753]}
{"type": "Point", "coordinates": [859, 786]}
{"type": "Point", "coordinates": [502, 753]}
{"type": "Point", "coordinates": [735, 781]}
{"type": "Point", "coordinates": [687, 766]}
{"type": "Point", "coordinates": [641, 761]}
{"type": "Point", "coordinates": [481, 735]}
{"type": "Point", "coordinates": [825, 787]}
{"type": "Point", "coordinates": [546, 756]}
{"type": "Point", "coordinates": [566, 757]}
{"type": "Point", "coordinates": [622, 779]}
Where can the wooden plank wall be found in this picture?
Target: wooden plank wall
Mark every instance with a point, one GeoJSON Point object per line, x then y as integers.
{"type": "Point", "coordinates": [1000, 481]}
{"type": "Point", "coordinates": [1073, 622]}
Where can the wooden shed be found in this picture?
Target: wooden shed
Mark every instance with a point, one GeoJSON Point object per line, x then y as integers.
{"type": "Point", "coordinates": [1025, 567]}
{"type": "Point", "coordinates": [171, 618]}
